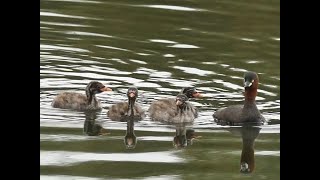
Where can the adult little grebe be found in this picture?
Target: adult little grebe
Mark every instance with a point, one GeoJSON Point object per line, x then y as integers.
{"type": "Point", "coordinates": [247, 113]}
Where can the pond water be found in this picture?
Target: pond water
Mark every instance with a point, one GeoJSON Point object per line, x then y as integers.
{"type": "Point", "coordinates": [159, 47]}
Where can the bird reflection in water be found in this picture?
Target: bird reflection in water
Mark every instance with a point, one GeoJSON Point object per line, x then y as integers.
{"type": "Point", "coordinates": [91, 127]}
{"type": "Point", "coordinates": [130, 139]}
{"type": "Point", "coordinates": [184, 137]}
{"type": "Point", "coordinates": [248, 134]}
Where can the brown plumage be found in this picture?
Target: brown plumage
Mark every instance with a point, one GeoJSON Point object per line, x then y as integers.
{"type": "Point", "coordinates": [181, 112]}
{"type": "Point", "coordinates": [81, 102]}
{"type": "Point", "coordinates": [166, 109]}
{"type": "Point", "coordinates": [120, 111]}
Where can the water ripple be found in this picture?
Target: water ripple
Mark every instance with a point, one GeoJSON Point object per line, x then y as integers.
{"type": "Point", "coordinates": [169, 7]}
{"type": "Point", "coordinates": [185, 46]}
{"type": "Point", "coordinates": [102, 70]}
{"type": "Point", "coordinates": [162, 41]}
{"type": "Point", "coordinates": [267, 153]}
{"type": "Point", "coordinates": [65, 177]}
{"type": "Point", "coordinates": [137, 61]}
{"type": "Point", "coordinates": [46, 47]}
{"type": "Point", "coordinates": [228, 84]}
{"type": "Point", "coordinates": [78, 1]}
{"type": "Point", "coordinates": [169, 55]}
{"type": "Point", "coordinates": [111, 47]}
{"type": "Point", "coordinates": [248, 39]}
{"type": "Point", "coordinates": [67, 158]}
{"type": "Point", "coordinates": [64, 15]}
{"type": "Point", "coordinates": [63, 24]}
{"type": "Point", "coordinates": [87, 34]}
{"type": "Point", "coordinates": [143, 54]}
{"type": "Point", "coordinates": [194, 71]}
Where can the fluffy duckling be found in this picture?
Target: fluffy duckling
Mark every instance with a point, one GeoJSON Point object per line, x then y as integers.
{"type": "Point", "coordinates": [182, 113]}
{"type": "Point", "coordinates": [164, 109]}
{"type": "Point", "coordinates": [168, 105]}
{"type": "Point", "coordinates": [120, 111]}
{"type": "Point", "coordinates": [81, 102]}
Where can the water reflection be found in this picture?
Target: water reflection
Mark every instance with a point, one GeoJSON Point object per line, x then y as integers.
{"type": "Point", "coordinates": [91, 127]}
{"type": "Point", "coordinates": [248, 134]}
{"type": "Point", "coordinates": [130, 139]}
{"type": "Point", "coordinates": [184, 137]}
